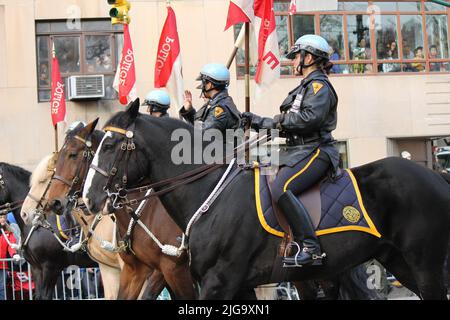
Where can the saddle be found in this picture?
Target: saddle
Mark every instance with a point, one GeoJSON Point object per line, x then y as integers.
{"type": "Point", "coordinates": [334, 205]}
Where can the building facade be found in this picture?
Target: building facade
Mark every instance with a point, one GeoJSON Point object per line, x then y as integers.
{"type": "Point", "coordinates": [392, 68]}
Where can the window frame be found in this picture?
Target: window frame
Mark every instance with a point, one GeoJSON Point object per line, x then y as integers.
{"type": "Point", "coordinates": [81, 34]}
{"type": "Point", "coordinates": [374, 61]}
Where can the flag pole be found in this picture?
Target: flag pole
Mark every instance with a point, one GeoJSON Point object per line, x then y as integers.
{"type": "Point", "coordinates": [247, 66]}
{"type": "Point", "coordinates": [56, 124]}
{"type": "Point", "coordinates": [237, 45]}
{"type": "Point", "coordinates": [56, 137]}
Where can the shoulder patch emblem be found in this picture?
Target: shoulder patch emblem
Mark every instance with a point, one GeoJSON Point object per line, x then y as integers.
{"type": "Point", "coordinates": [218, 111]}
{"type": "Point", "coordinates": [316, 87]}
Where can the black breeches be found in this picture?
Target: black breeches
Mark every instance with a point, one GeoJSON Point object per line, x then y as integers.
{"type": "Point", "coordinates": [302, 176]}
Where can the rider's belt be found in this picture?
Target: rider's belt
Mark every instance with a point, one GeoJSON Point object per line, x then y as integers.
{"type": "Point", "coordinates": [295, 139]}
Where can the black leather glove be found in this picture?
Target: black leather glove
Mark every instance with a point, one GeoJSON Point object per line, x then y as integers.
{"type": "Point", "coordinates": [252, 118]}
{"type": "Point", "coordinates": [248, 115]}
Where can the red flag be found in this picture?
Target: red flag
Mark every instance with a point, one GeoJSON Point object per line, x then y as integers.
{"type": "Point", "coordinates": [58, 100]}
{"type": "Point", "coordinates": [293, 7]}
{"type": "Point", "coordinates": [268, 52]}
{"type": "Point", "coordinates": [168, 68]}
{"type": "Point", "coordinates": [125, 80]}
{"type": "Point", "coordinates": [239, 11]}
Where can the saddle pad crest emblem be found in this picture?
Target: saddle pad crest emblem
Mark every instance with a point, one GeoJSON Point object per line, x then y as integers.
{"type": "Point", "coordinates": [351, 214]}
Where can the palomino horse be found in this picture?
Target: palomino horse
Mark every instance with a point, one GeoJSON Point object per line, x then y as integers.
{"type": "Point", "coordinates": [146, 257]}
{"type": "Point", "coordinates": [41, 249]}
{"type": "Point", "coordinates": [409, 205]}
{"type": "Point", "coordinates": [109, 264]}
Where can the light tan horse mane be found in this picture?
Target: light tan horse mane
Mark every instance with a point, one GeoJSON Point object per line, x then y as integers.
{"type": "Point", "coordinates": [43, 170]}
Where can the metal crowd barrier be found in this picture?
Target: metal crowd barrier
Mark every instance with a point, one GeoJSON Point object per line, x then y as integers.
{"type": "Point", "coordinates": [74, 283]}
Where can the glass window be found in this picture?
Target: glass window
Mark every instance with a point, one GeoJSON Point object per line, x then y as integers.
{"type": "Point", "coordinates": [240, 57]}
{"type": "Point", "coordinates": [430, 6]}
{"type": "Point", "coordinates": [360, 68]}
{"type": "Point", "coordinates": [101, 25]}
{"type": "Point", "coordinates": [437, 36]}
{"type": "Point", "coordinates": [44, 95]}
{"type": "Point", "coordinates": [281, 6]}
{"type": "Point", "coordinates": [412, 35]}
{"type": "Point", "coordinates": [303, 24]}
{"type": "Point", "coordinates": [340, 69]}
{"type": "Point", "coordinates": [386, 36]}
{"type": "Point", "coordinates": [331, 28]}
{"type": "Point", "coordinates": [119, 47]}
{"type": "Point", "coordinates": [43, 61]}
{"type": "Point", "coordinates": [59, 26]}
{"type": "Point", "coordinates": [343, 154]}
{"type": "Point", "coordinates": [409, 6]}
{"type": "Point", "coordinates": [68, 53]}
{"type": "Point", "coordinates": [98, 53]}
{"type": "Point", "coordinates": [81, 52]}
{"type": "Point", "coordinates": [389, 67]}
{"type": "Point", "coordinates": [386, 6]}
{"type": "Point", "coordinates": [282, 34]}
{"type": "Point", "coordinates": [353, 6]}
{"type": "Point", "coordinates": [358, 37]}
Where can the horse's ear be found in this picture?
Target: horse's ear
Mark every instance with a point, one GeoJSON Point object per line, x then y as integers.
{"type": "Point", "coordinates": [133, 109]}
{"type": "Point", "coordinates": [91, 126]}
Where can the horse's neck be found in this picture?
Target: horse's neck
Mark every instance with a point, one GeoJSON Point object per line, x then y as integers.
{"type": "Point", "coordinates": [183, 202]}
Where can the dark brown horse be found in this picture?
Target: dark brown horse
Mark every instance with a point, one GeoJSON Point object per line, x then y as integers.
{"type": "Point", "coordinates": [145, 257]}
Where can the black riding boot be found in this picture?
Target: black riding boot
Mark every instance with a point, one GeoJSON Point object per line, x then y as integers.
{"type": "Point", "coordinates": [303, 231]}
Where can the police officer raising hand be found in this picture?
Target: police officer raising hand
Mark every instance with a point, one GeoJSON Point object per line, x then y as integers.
{"type": "Point", "coordinates": [219, 111]}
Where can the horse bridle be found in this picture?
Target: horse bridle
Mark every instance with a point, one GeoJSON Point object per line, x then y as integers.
{"type": "Point", "coordinates": [41, 199]}
{"type": "Point", "coordinates": [126, 148]}
{"type": "Point", "coordinates": [9, 206]}
{"type": "Point", "coordinates": [73, 195]}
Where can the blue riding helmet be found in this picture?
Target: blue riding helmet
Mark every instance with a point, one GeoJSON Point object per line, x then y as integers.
{"type": "Point", "coordinates": [157, 99]}
{"type": "Point", "coordinates": [311, 43]}
{"type": "Point", "coordinates": [10, 218]}
{"type": "Point", "coordinates": [215, 73]}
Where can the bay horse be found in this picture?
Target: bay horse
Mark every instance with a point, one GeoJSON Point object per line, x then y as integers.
{"type": "Point", "coordinates": [42, 251]}
{"type": "Point", "coordinates": [145, 257]}
{"type": "Point", "coordinates": [229, 250]}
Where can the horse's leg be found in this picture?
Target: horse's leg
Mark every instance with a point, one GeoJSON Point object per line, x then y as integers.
{"type": "Point", "coordinates": [426, 263]}
{"type": "Point", "coordinates": [110, 279]}
{"type": "Point", "coordinates": [180, 282]}
{"type": "Point", "coordinates": [132, 278]}
{"type": "Point", "coordinates": [393, 260]}
{"type": "Point", "coordinates": [36, 277]}
{"type": "Point", "coordinates": [155, 285]}
{"type": "Point", "coordinates": [430, 281]}
{"type": "Point", "coordinates": [49, 278]}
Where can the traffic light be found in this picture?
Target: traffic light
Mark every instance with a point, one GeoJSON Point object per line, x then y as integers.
{"type": "Point", "coordinates": [119, 11]}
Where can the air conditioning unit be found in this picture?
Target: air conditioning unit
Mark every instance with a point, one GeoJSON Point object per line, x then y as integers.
{"type": "Point", "coordinates": [86, 87]}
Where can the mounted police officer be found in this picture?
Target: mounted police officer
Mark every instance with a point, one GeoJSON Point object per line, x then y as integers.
{"type": "Point", "coordinates": [219, 111]}
{"type": "Point", "coordinates": [158, 102]}
{"type": "Point", "coordinates": [307, 118]}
